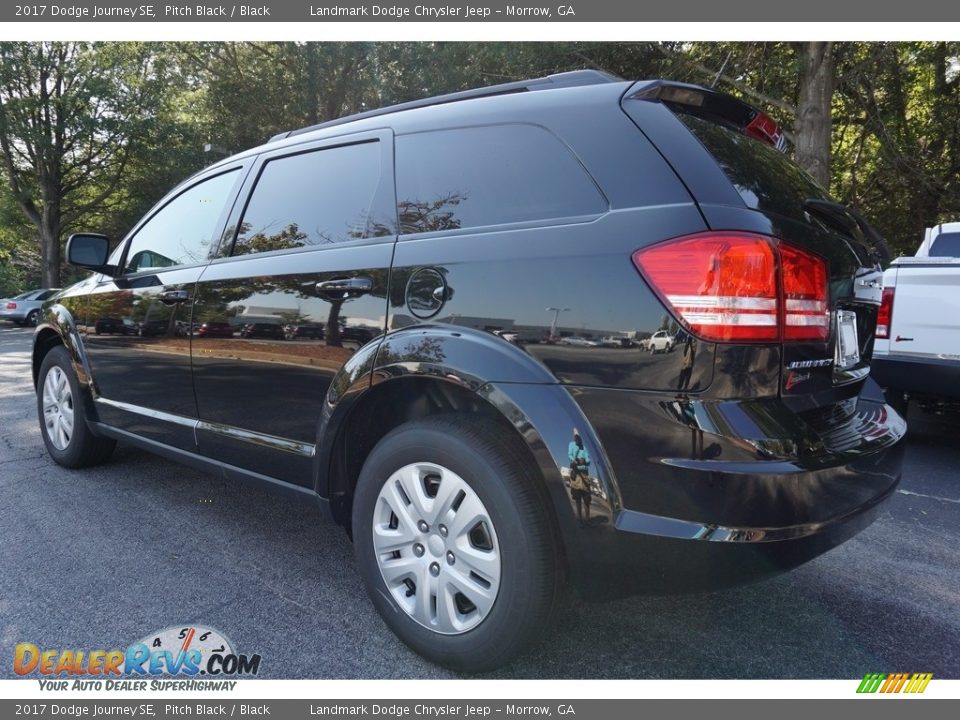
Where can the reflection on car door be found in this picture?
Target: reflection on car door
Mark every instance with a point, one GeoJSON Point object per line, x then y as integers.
{"type": "Point", "coordinates": [142, 374]}
{"type": "Point", "coordinates": [312, 249]}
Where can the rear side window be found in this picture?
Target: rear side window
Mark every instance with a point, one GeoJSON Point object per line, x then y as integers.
{"type": "Point", "coordinates": [765, 178]}
{"type": "Point", "coordinates": [946, 245]}
{"type": "Point", "coordinates": [479, 176]}
{"type": "Point", "coordinates": [315, 198]}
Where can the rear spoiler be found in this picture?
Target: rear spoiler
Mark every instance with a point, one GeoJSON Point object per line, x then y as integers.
{"type": "Point", "coordinates": [715, 107]}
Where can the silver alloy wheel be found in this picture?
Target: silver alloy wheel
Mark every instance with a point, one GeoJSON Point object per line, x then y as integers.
{"type": "Point", "coordinates": [58, 408]}
{"type": "Point", "coordinates": [436, 548]}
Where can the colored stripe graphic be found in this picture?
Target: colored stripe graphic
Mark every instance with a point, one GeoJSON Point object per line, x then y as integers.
{"type": "Point", "coordinates": [871, 681]}
{"type": "Point", "coordinates": [894, 682]}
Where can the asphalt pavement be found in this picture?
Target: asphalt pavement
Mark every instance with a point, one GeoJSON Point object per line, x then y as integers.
{"type": "Point", "coordinates": [100, 558]}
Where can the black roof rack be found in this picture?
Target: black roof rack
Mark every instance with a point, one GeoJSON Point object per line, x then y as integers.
{"type": "Point", "coordinates": [574, 78]}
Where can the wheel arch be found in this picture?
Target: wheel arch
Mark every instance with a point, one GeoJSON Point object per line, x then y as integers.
{"type": "Point", "coordinates": [380, 393]}
{"type": "Point", "coordinates": [57, 328]}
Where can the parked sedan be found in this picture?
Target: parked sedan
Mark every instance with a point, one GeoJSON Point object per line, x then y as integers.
{"type": "Point", "coordinates": [115, 326]}
{"type": "Point", "coordinates": [262, 330]}
{"type": "Point", "coordinates": [25, 308]}
{"type": "Point", "coordinates": [303, 332]}
{"type": "Point", "coordinates": [577, 341]}
{"type": "Point", "coordinates": [215, 330]}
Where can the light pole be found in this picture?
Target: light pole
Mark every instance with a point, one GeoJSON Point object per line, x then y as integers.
{"type": "Point", "coordinates": [556, 316]}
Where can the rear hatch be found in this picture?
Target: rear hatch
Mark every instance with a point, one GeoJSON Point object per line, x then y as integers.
{"type": "Point", "coordinates": [731, 157]}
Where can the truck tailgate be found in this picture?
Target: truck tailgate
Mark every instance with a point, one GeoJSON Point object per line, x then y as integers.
{"type": "Point", "coordinates": [926, 308]}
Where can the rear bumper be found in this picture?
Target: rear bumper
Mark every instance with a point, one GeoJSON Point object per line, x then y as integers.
{"type": "Point", "coordinates": [13, 314]}
{"type": "Point", "coordinates": [923, 376]}
{"type": "Point", "coordinates": [653, 554]}
{"type": "Point", "coordinates": [721, 494]}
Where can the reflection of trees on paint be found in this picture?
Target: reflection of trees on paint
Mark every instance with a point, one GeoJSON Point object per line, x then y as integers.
{"type": "Point", "coordinates": [420, 216]}
{"type": "Point", "coordinates": [288, 238]}
{"type": "Point", "coordinates": [424, 349]}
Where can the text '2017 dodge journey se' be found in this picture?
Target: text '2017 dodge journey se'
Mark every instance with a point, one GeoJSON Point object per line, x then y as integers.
{"type": "Point", "coordinates": [444, 250]}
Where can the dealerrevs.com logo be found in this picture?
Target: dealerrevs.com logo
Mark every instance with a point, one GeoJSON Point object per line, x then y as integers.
{"type": "Point", "coordinates": [202, 658]}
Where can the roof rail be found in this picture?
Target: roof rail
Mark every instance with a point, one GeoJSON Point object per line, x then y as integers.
{"type": "Point", "coordinates": [574, 78]}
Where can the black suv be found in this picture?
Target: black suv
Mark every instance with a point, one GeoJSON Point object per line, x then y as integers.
{"type": "Point", "coordinates": [477, 476]}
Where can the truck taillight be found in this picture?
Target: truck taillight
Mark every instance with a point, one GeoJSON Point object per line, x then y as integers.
{"type": "Point", "coordinates": [885, 314]}
{"type": "Point", "coordinates": [740, 287]}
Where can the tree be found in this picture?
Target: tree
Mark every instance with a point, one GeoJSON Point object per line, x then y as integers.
{"type": "Point", "coordinates": [71, 115]}
{"type": "Point", "coordinates": [813, 126]}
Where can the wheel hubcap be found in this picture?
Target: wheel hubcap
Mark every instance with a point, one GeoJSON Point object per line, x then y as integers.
{"type": "Point", "coordinates": [58, 408]}
{"type": "Point", "coordinates": [446, 576]}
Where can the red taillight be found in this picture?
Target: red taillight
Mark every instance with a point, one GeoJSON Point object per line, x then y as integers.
{"type": "Point", "coordinates": [11, 306]}
{"type": "Point", "coordinates": [728, 286]}
{"type": "Point", "coordinates": [805, 312]}
{"type": "Point", "coordinates": [885, 314]}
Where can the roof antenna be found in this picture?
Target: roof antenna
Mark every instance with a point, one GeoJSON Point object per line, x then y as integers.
{"type": "Point", "coordinates": [722, 68]}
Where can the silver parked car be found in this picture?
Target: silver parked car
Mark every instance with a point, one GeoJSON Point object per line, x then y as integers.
{"type": "Point", "coordinates": [25, 308]}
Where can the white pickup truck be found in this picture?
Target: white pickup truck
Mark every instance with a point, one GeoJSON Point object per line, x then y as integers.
{"type": "Point", "coordinates": [917, 348]}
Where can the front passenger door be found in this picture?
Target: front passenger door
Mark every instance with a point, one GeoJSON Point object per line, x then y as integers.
{"type": "Point", "coordinates": [136, 325]}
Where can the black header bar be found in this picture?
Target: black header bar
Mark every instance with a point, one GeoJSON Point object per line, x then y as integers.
{"type": "Point", "coordinates": [552, 11]}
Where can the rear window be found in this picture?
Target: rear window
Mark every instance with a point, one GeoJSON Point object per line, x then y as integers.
{"type": "Point", "coordinates": [946, 245]}
{"type": "Point", "coordinates": [766, 179]}
{"type": "Point", "coordinates": [492, 175]}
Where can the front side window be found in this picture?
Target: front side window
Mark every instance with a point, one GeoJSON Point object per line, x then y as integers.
{"type": "Point", "coordinates": [315, 198]}
{"type": "Point", "coordinates": [184, 229]}
{"type": "Point", "coordinates": [490, 175]}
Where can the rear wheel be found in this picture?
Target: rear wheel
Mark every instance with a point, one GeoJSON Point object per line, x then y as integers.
{"type": "Point", "coordinates": [454, 542]}
{"type": "Point", "coordinates": [33, 318]}
{"type": "Point", "coordinates": [63, 422]}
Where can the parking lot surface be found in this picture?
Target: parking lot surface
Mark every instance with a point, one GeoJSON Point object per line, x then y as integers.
{"type": "Point", "coordinates": [99, 558]}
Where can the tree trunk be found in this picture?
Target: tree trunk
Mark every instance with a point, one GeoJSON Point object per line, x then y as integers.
{"type": "Point", "coordinates": [50, 248]}
{"type": "Point", "coordinates": [332, 330]}
{"type": "Point", "coordinates": [814, 122]}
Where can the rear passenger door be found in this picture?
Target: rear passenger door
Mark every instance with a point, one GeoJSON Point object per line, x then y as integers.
{"type": "Point", "coordinates": [303, 286]}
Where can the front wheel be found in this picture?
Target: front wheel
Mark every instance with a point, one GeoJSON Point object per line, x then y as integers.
{"type": "Point", "coordinates": [63, 422]}
{"type": "Point", "coordinates": [454, 542]}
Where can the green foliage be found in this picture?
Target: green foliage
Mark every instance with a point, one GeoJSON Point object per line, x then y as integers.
{"type": "Point", "coordinates": [119, 124]}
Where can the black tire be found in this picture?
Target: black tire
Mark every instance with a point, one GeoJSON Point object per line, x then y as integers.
{"type": "Point", "coordinates": [33, 317]}
{"type": "Point", "coordinates": [487, 457]}
{"type": "Point", "coordinates": [83, 448]}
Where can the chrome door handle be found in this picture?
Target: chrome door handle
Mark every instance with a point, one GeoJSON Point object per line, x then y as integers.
{"type": "Point", "coordinates": [346, 287]}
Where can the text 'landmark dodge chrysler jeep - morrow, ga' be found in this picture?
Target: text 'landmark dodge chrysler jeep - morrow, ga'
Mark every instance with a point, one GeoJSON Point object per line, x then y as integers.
{"type": "Point", "coordinates": [436, 256]}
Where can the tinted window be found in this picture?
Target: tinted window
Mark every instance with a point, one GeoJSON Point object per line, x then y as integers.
{"type": "Point", "coordinates": [315, 198]}
{"type": "Point", "coordinates": [765, 178]}
{"type": "Point", "coordinates": [946, 245]}
{"type": "Point", "coordinates": [182, 232]}
{"type": "Point", "coordinates": [471, 177]}
{"type": "Point", "coordinates": [46, 294]}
